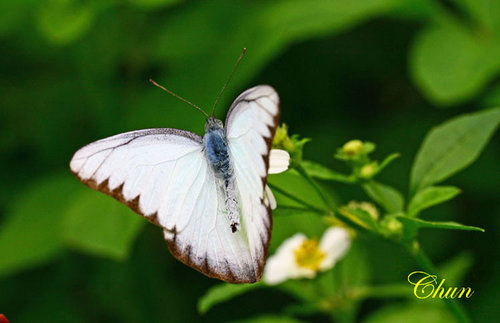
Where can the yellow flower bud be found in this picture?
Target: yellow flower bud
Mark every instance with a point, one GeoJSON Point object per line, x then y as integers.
{"type": "Point", "coordinates": [368, 170]}
{"type": "Point", "coordinates": [353, 147]}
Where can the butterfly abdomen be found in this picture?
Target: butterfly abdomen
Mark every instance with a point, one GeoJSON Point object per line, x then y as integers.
{"type": "Point", "coordinates": [232, 205]}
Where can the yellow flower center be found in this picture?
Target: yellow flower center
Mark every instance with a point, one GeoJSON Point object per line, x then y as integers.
{"type": "Point", "coordinates": [308, 255]}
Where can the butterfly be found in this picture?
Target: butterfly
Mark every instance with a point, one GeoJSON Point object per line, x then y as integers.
{"type": "Point", "coordinates": [208, 194]}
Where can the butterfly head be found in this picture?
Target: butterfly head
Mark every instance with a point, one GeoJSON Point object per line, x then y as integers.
{"type": "Point", "coordinates": [213, 124]}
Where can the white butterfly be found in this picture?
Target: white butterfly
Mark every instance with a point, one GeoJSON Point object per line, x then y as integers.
{"type": "Point", "coordinates": [208, 194]}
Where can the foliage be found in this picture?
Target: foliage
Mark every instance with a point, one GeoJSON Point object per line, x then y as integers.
{"type": "Point", "coordinates": [399, 224]}
{"type": "Point", "coordinates": [451, 147]}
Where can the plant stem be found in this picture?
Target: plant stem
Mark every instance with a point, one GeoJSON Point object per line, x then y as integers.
{"type": "Point", "coordinates": [296, 199]}
{"type": "Point", "coordinates": [294, 208]}
{"type": "Point", "coordinates": [316, 187]}
{"type": "Point", "coordinates": [426, 264]}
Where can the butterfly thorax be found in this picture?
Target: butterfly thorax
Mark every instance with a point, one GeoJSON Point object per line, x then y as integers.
{"type": "Point", "coordinates": [216, 148]}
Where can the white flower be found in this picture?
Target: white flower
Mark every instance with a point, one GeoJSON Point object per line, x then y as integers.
{"type": "Point", "coordinates": [278, 161]}
{"type": "Point", "coordinates": [299, 257]}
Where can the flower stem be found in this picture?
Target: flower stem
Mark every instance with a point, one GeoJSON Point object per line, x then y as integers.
{"type": "Point", "coordinates": [426, 264]}
{"type": "Point", "coordinates": [295, 208]}
{"type": "Point", "coordinates": [328, 202]}
{"type": "Point", "coordinates": [296, 199]}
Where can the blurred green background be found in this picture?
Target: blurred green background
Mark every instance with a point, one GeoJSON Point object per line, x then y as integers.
{"type": "Point", "coordinates": [73, 71]}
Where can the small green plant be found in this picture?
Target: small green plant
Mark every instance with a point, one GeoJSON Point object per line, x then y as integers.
{"type": "Point", "coordinates": [446, 150]}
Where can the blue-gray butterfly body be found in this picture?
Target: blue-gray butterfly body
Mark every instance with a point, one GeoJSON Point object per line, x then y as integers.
{"type": "Point", "coordinates": [216, 150]}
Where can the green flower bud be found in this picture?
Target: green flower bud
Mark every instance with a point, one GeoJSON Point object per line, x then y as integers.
{"type": "Point", "coordinates": [365, 206]}
{"type": "Point", "coordinates": [391, 227]}
{"type": "Point", "coordinates": [293, 145]}
{"type": "Point", "coordinates": [281, 136]}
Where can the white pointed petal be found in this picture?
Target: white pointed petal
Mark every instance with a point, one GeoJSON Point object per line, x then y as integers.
{"type": "Point", "coordinates": [270, 198]}
{"type": "Point", "coordinates": [282, 265]}
{"type": "Point", "coordinates": [279, 160]}
{"type": "Point", "coordinates": [335, 243]}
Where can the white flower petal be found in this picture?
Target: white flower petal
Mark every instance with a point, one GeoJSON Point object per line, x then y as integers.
{"type": "Point", "coordinates": [282, 265]}
{"type": "Point", "coordinates": [270, 198]}
{"type": "Point", "coordinates": [334, 243]}
{"type": "Point", "coordinates": [278, 161]}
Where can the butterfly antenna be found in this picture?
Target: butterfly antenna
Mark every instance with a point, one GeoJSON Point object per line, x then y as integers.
{"type": "Point", "coordinates": [228, 80]}
{"type": "Point", "coordinates": [179, 97]}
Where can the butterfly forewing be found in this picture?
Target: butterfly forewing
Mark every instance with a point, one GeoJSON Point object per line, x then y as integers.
{"type": "Point", "coordinates": [133, 167]}
{"type": "Point", "coordinates": [163, 174]}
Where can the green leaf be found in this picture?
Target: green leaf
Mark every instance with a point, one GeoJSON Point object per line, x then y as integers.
{"type": "Point", "coordinates": [223, 293]}
{"type": "Point", "coordinates": [368, 147]}
{"type": "Point", "coordinates": [344, 275]}
{"type": "Point", "coordinates": [303, 289]}
{"type": "Point", "coordinates": [153, 4]}
{"type": "Point", "coordinates": [386, 196]}
{"type": "Point", "coordinates": [485, 13]}
{"type": "Point", "coordinates": [97, 224]}
{"type": "Point", "coordinates": [412, 225]}
{"type": "Point", "coordinates": [451, 147]}
{"type": "Point", "coordinates": [413, 10]}
{"type": "Point", "coordinates": [454, 269]}
{"type": "Point", "coordinates": [322, 172]}
{"type": "Point", "coordinates": [31, 232]}
{"type": "Point", "coordinates": [411, 312]}
{"type": "Point", "coordinates": [63, 21]}
{"type": "Point", "coordinates": [463, 65]}
{"type": "Point", "coordinates": [269, 318]}
{"type": "Point", "coordinates": [430, 196]}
